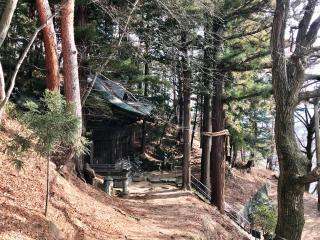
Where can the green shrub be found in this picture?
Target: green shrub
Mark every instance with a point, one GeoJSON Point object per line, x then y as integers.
{"type": "Point", "coordinates": [11, 109]}
{"type": "Point", "coordinates": [265, 216]}
{"type": "Point", "coordinates": [52, 122]}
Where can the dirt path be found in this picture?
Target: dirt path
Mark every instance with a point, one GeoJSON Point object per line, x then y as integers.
{"type": "Point", "coordinates": [174, 211]}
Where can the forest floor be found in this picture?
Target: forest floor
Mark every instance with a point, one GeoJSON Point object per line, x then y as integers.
{"type": "Point", "coordinates": [79, 211]}
{"type": "Point", "coordinates": [152, 211]}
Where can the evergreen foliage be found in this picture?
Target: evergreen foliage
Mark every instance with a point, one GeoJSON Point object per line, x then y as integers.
{"type": "Point", "coordinates": [52, 122]}
{"type": "Point", "coordinates": [265, 216]}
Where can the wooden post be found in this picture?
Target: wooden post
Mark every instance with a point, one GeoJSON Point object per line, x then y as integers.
{"type": "Point", "coordinates": [316, 126]}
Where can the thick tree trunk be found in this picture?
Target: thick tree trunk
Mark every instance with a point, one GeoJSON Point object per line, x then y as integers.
{"type": "Point", "coordinates": [290, 194]}
{"type": "Point", "coordinates": [186, 72]}
{"type": "Point", "coordinates": [287, 80]}
{"type": "Point", "coordinates": [71, 76]}
{"type": "Point", "coordinates": [217, 155]}
{"type": "Point", "coordinates": [50, 45]}
{"type": "Point", "coordinates": [70, 62]}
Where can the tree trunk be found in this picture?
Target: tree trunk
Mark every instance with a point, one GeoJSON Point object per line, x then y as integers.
{"type": "Point", "coordinates": [180, 106]}
{"type": "Point", "coordinates": [308, 148]}
{"type": "Point", "coordinates": [290, 194]}
{"type": "Point", "coordinates": [234, 154]}
{"type": "Point", "coordinates": [186, 73]}
{"type": "Point", "coordinates": [4, 27]}
{"type": "Point", "coordinates": [144, 124]}
{"type": "Point", "coordinates": [201, 120]}
{"type": "Point", "coordinates": [207, 121]}
{"type": "Point", "coordinates": [50, 45]}
{"type": "Point", "coordinates": [6, 19]}
{"type": "Point", "coordinates": [195, 121]}
{"type": "Point", "coordinates": [71, 76]}
{"type": "Point", "coordinates": [217, 155]}
{"type": "Point", "coordinates": [287, 80]}
{"type": "Point", "coordinates": [82, 45]}
{"type": "Point", "coordinates": [70, 62]}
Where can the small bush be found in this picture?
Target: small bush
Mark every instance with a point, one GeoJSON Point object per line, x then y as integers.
{"type": "Point", "coordinates": [52, 122]}
{"type": "Point", "coordinates": [265, 216]}
{"type": "Point", "coordinates": [11, 109]}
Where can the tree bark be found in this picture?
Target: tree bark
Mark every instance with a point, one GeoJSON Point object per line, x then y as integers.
{"type": "Point", "coordinates": [234, 147]}
{"type": "Point", "coordinates": [180, 105]}
{"type": "Point", "coordinates": [217, 155]}
{"type": "Point", "coordinates": [6, 19]}
{"type": "Point", "coordinates": [207, 121]}
{"type": "Point", "coordinates": [71, 76]}
{"type": "Point", "coordinates": [308, 148]}
{"type": "Point", "coordinates": [144, 124]}
{"type": "Point", "coordinates": [70, 62]}
{"type": "Point", "coordinates": [186, 73]}
{"type": "Point", "coordinates": [50, 45]}
{"type": "Point", "coordinates": [4, 27]}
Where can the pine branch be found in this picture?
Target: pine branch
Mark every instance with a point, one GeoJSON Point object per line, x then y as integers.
{"type": "Point", "coordinates": [246, 34]}
{"type": "Point", "coordinates": [266, 91]}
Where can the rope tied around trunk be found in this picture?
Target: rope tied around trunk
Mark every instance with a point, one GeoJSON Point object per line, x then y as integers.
{"type": "Point", "coordinates": [225, 133]}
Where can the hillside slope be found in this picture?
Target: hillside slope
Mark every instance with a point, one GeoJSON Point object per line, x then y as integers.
{"type": "Point", "coordinates": [80, 211]}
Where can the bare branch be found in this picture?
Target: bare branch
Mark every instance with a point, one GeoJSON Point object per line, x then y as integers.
{"type": "Point", "coordinates": [299, 140]}
{"type": "Point", "coordinates": [301, 119]}
{"type": "Point", "coordinates": [310, 177]}
{"type": "Point", "coordinates": [23, 56]}
{"type": "Point", "coordinates": [304, 96]}
{"type": "Point", "coordinates": [303, 27]}
{"type": "Point", "coordinates": [99, 71]}
{"type": "Point", "coordinates": [308, 77]}
{"type": "Point", "coordinates": [313, 32]}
